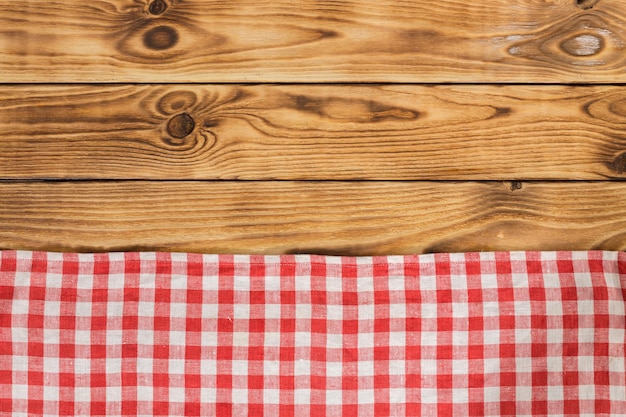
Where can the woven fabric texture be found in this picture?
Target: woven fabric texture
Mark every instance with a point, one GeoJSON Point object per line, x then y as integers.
{"type": "Point", "coordinates": [476, 334]}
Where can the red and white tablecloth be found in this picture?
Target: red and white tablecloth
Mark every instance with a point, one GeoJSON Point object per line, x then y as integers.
{"type": "Point", "coordinates": [511, 334]}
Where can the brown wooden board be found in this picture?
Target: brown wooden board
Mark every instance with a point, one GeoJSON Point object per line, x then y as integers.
{"type": "Point", "coordinates": [493, 41]}
{"type": "Point", "coordinates": [327, 132]}
{"type": "Point", "coordinates": [355, 127]}
{"type": "Point", "coordinates": [347, 218]}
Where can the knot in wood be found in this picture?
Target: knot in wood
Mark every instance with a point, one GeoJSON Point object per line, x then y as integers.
{"type": "Point", "coordinates": [180, 126]}
{"type": "Point", "coordinates": [157, 7]}
{"type": "Point", "coordinates": [160, 38]}
{"type": "Point", "coordinates": [583, 45]}
{"type": "Point", "coordinates": [586, 4]}
{"type": "Point", "coordinates": [618, 165]}
{"type": "Point", "coordinates": [176, 102]}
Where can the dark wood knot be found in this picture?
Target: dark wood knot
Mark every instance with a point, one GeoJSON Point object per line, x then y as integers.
{"type": "Point", "coordinates": [160, 38]}
{"type": "Point", "coordinates": [157, 7]}
{"type": "Point", "coordinates": [618, 165]}
{"type": "Point", "coordinates": [180, 126]}
{"type": "Point", "coordinates": [586, 4]}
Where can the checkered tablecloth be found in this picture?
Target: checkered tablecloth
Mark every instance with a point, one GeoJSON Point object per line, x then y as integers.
{"type": "Point", "coordinates": [514, 334]}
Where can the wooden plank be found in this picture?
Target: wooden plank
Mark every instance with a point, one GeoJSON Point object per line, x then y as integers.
{"type": "Point", "coordinates": [564, 41]}
{"type": "Point", "coordinates": [349, 218]}
{"type": "Point", "coordinates": [392, 132]}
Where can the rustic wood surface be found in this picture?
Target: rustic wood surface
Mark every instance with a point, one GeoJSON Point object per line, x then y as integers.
{"type": "Point", "coordinates": [388, 132]}
{"type": "Point", "coordinates": [141, 125]}
{"type": "Point", "coordinates": [493, 41]}
{"type": "Point", "coordinates": [347, 218]}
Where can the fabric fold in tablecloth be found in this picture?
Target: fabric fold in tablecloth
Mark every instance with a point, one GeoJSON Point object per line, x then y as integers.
{"type": "Point", "coordinates": [519, 333]}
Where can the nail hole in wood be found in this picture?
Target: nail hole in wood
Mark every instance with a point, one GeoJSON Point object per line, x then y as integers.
{"type": "Point", "coordinates": [516, 185]}
{"type": "Point", "coordinates": [180, 126]}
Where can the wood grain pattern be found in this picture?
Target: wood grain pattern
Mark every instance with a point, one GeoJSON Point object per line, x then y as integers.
{"type": "Point", "coordinates": [563, 41]}
{"type": "Point", "coordinates": [390, 132]}
{"type": "Point", "coordinates": [348, 218]}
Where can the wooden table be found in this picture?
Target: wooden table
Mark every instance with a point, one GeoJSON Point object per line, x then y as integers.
{"type": "Point", "coordinates": [353, 127]}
